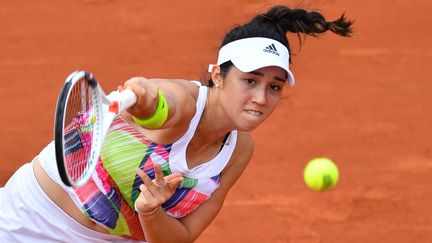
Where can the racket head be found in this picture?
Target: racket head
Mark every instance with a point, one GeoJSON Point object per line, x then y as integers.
{"type": "Point", "coordinates": [78, 128]}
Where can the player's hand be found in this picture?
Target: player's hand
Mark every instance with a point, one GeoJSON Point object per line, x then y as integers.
{"type": "Point", "coordinates": [156, 192]}
{"type": "Point", "coordinates": [147, 96]}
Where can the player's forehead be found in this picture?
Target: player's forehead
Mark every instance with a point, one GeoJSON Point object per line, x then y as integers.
{"type": "Point", "coordinates": [271, 73]}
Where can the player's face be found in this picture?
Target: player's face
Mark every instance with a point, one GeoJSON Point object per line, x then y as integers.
{"type": "Point", "coordinates": [253, 95]}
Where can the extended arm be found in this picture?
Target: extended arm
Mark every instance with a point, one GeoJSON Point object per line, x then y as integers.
{"type": "Point", "coordinates": [178, 94]}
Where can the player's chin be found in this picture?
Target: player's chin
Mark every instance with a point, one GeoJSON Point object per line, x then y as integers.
{"type": "Point", "coordinates": [248, 123]}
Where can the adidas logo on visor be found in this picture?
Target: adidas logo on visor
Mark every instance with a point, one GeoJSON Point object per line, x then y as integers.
{"type": "Point", "coordinates": [271, 49]}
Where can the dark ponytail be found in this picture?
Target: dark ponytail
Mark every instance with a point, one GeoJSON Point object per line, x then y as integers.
{"type": "Point", "coordinates": [279, 20]}
{"type": "Point", "coordinates": [301, 21]}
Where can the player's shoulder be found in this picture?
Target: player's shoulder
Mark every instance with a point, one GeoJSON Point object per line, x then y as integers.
{"type": "Point", "coordinates": [245, 142]}
{"type": "Point", "coordinates": [244, 148]}
{"type": "Point", "coordinates": [240, 158]}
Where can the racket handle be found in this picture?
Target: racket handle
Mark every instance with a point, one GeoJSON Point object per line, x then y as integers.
{"type": "Point", "coordinates": [126, 99]}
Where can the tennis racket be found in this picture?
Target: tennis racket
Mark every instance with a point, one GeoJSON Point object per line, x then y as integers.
{"type": "Point", "coordinates": [83, 115]}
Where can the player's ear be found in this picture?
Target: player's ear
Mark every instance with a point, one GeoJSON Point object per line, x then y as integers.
{"type": "Point", "coordinates": [216, 76]}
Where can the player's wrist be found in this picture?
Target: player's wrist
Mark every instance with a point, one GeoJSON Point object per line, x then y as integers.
{"type": "Point", "coordinates": [159, 117]}
{"type": "Point", "coordinates": [143, 213]}
{"type": "Point", "coordinates": [147, 214]}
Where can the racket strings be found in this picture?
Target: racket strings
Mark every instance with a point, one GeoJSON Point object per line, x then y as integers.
{"type": "Point", "coordinates": [79, 128]}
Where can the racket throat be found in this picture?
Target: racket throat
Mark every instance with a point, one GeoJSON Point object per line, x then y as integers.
{"type": "Point", "coordinates": [114, 107]}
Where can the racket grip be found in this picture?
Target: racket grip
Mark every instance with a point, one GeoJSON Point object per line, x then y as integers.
{"type": "Point", "coordinates": [126, 99]}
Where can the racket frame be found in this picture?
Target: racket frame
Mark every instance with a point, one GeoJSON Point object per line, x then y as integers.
{"type": "Point", "coordinates": [107, 108]}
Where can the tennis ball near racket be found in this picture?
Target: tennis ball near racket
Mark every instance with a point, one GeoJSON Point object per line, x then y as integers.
{"type": "Point", "coordinates": [321, 174]}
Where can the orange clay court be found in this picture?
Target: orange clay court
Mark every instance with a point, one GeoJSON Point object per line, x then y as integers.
{"type": "Point", "coordinates": [364, 101]}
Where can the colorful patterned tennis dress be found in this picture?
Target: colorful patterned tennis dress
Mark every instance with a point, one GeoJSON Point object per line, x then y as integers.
{"type": "Point", "coordinates": [108, 198]}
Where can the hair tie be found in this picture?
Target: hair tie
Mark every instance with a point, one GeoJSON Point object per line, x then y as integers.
{"type": "Point", "coordinates": [268, 18]}
{"type": "Point", "coordinates": [325, 24]}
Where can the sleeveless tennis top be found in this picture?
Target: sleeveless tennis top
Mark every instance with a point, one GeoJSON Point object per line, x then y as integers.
{"type": "Point", "coordinates": [108, 198]}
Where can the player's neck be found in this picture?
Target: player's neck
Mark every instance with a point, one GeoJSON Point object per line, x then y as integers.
{"type": "Point", "coordinates": [213, 125]}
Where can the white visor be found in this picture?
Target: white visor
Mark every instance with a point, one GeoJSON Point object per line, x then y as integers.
{"type": "Point", "coordinates": [250, 54]}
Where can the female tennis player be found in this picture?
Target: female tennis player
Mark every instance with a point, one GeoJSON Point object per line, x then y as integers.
{"type": "Point", "coordinates": [168, 162]}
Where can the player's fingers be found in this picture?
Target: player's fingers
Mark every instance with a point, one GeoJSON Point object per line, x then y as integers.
{"type": "Point", "coordinates": [147, 97]}
{"type": "Point", "coordinates": [134, 84]}
{"type": "Point", "coordinates": [173, 180]}
{"type": "Point", "coordinates": [146, 202]}
{"type": "Point", "coordinates": [159, 178]}
{"type": "Point", "coordinates": [173, 183]}
{"type": "Point", "coordinates": [140, 93]}
{"type": "Point", "coordinates": [148, 195]}
{"type": "Point", "coordinates": [172, 176]}
{"type": "Point", "coordinates": [145, 178]}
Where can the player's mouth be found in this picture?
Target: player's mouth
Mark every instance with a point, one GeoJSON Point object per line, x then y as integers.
{"type": "Point", "coordinates": [254, 112]}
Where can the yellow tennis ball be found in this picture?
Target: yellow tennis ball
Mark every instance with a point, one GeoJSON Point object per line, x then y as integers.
{"type": "Point", "coordinates": [321, 174]}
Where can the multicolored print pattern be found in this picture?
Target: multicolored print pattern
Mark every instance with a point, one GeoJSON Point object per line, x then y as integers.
{"type": "Point", "coordinates": [108, 198]}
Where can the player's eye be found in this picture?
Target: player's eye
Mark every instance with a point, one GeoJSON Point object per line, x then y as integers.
{"type": "Point", "coordinates": [275, 87]}
{"type": "Point", "coordinates": [250, 81]}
